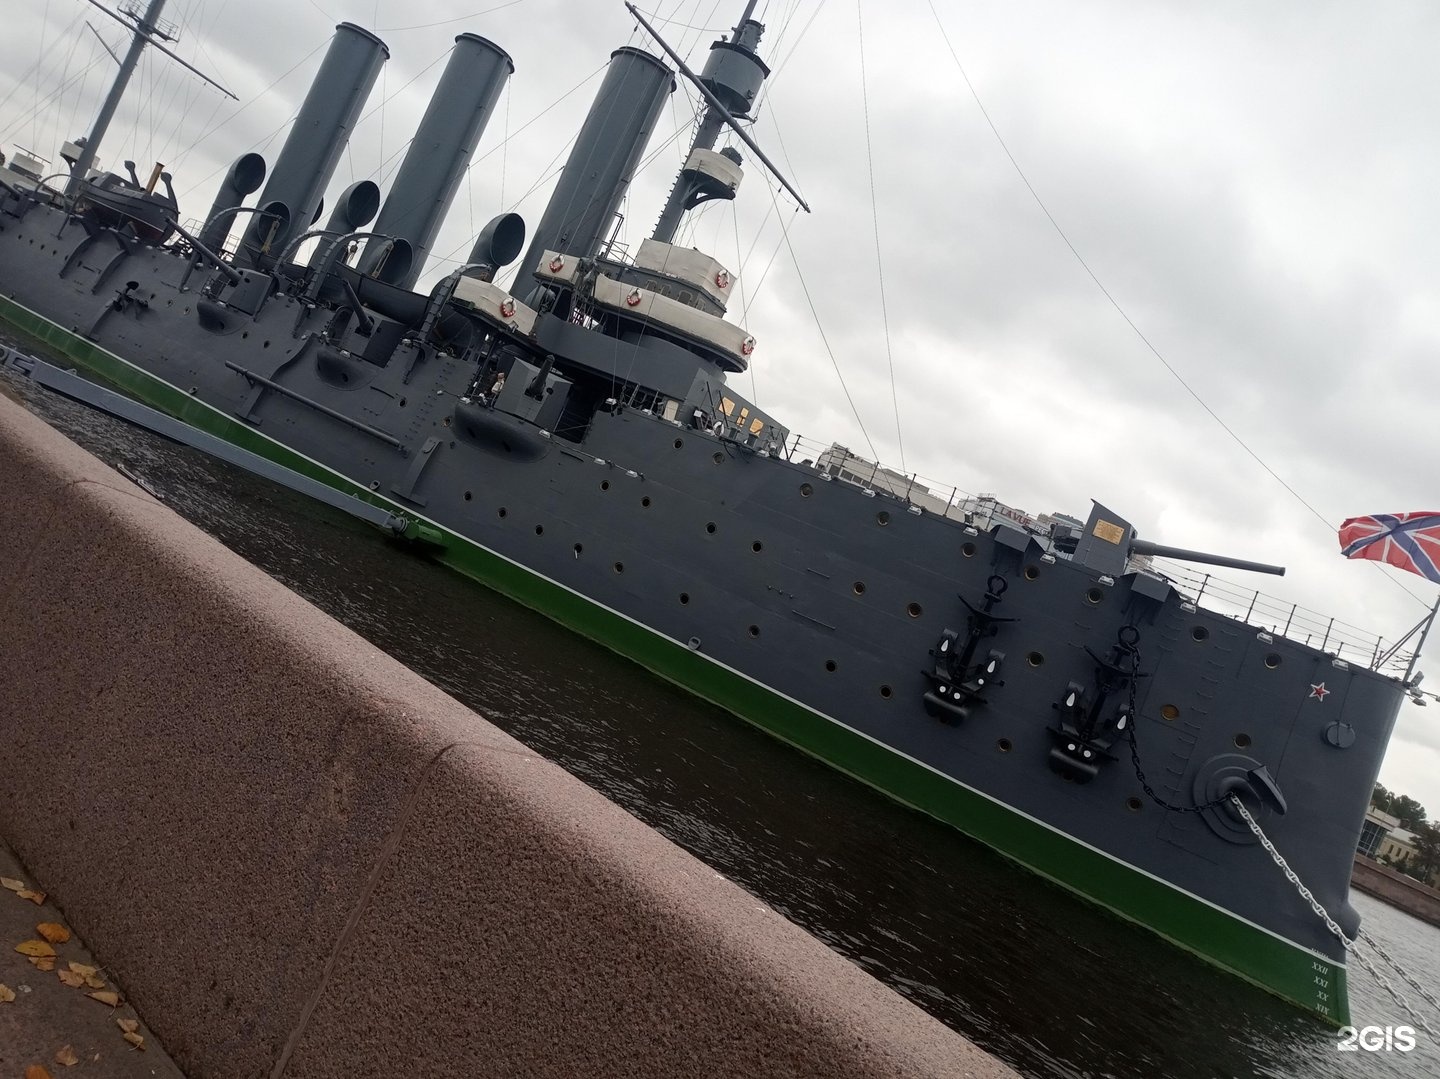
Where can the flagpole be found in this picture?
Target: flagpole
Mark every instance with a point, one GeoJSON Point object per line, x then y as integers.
{"type": "Point", "coordinates": [1419, 647]}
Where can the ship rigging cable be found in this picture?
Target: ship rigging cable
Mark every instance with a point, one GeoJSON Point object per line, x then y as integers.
{"type": "Point", "coordinates": [1116, 304]}
{"type": "Point", "coordinates": [875, 223]}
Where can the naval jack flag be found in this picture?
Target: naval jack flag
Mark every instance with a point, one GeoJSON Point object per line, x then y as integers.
{"type": "Point", "coordinates": [1410, 541]}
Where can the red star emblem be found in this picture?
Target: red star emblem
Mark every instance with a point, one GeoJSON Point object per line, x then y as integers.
{"type": "Point", "coordinates": [1319, 691]}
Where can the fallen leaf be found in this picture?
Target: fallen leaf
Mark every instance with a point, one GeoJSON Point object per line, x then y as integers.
{"type": "Point", "coordinates": [34, 947]}
{"type": "Point", "coordinates": [35, 897]}
{"type": "Point", "coordinates": [70, 978]}
{"type": "Point", "coordinates": [129, 1026]}
{"type": "Point", "coordinates": [65, 1055]}
{"type": "Point", "coordinates": [35, 1071]}
{"type": "Point", "coordinates": [83, 969]}
{"type": "Point", "coordinates": [137, 1040]}
{"type": "Point", "coordinates": [106, 997]}
{"type": "Point", "coordinates": [54, 932]}
{"type": "Point", "coordinates": [94, 982]}
{"type": "Point", "coordinates": [43, 962]}
{"type": "Point", "coordinates": [6, 994]}
{"type": "Point", "coordinates": [13, 884]}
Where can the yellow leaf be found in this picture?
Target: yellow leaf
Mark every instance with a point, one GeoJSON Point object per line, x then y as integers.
{"type": "Point", "coordinates": [6, 994]}
{"type": "Point", "coordinates": [43, 962]}
{"type": "Point", "coordinates": [137, 1040]}
{"type": "Point", "coordinates": [83, 970]}
{"type": "Point", "coordinates": [70, 978]}
{"type": "Point", "coordinates": [65, 1055]}
{"type": "Point", "coordinates": [106, 997]}
{"type": "Point", "coordinates": [13, 884]}
{"type": "Point", "coordinates": [94, 982]}
{"type": "Point", "coordinates": [129, 1026]}
{"type": "Point", "coordinates": [54, 932]}
{"type": "Point", "coordinates": [35, 1071]}
{"type": "Point", "coordinates": [34, 947]}
{"type": "Point", "coordinates": [35, 897]}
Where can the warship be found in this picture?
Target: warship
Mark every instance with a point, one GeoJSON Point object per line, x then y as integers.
{"type": "Point", "coordinates": [577, 442]}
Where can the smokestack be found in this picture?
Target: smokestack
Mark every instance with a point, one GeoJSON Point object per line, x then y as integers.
{"type": "Point", "coordinates": [599, 168]}
{"type": "Point", "coordinates": [315, 143]}
{"type": "Point", "coordinates": [435, 163]}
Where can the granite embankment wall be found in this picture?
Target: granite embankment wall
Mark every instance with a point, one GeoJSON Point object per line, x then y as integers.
{"type": "Point", "coordinates": [298, 858]}
{"type": "Point", "coordinates": [1397, 889]}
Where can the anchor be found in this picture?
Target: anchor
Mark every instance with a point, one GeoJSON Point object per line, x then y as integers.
{"type": "Point", "coordinates": [1085, 730]}
{"type": "Point", "coordinates": [957, 679]}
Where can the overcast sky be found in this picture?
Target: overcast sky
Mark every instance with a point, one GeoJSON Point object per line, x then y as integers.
{"type": "Point", "coordinates": [1254, 184]}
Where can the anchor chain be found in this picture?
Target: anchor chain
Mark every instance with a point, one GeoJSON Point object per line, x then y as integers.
{"type": "Point", "coordinates": [1339, 933]}
{"type": "Point", "coordinates": [1135, 750]}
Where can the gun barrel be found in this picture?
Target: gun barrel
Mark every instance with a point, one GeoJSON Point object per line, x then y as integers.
{"type": "Point", "coordinates": [1146, 547]}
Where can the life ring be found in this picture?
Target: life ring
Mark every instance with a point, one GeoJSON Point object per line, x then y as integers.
{"type": "Point", "coordinates": [633, 298]}
{"type": "Point", "coordinates": [722, 279]}
{"type": "Point", "coordinates": [748, 346]}
{"type": "Point", "coordinates": [557, 264]}
{"type": "Point", "coordinates": [507, 307]}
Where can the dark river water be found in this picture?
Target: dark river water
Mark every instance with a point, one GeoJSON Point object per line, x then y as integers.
{"type": "Point", "coordinates": [1048, 983]}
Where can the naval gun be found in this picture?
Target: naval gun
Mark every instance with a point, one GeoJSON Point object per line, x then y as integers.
{"type": "Point", "coordinates": [1108, 541]}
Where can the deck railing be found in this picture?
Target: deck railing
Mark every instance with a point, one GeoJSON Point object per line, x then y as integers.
{"type": "Point", "coordinates": [1267, 614]}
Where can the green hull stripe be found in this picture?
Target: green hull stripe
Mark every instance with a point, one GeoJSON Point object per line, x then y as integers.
{"type": "Point", "coordinates": [1253, 953]}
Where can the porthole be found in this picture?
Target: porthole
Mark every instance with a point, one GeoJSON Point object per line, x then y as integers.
{"type": "Point", "coordinates": [619, 567]}
{"type": "Point", "coordinates": [859, 588]}
{"type": "Point", "coordinates": [579, 549]}
{"type": "Point", "coordinates": [806, 490]}
{"type": "Point", "coordinates": [968, 550]}
{"type": "Point", "coordinates": [757, 546]}
{"type": "Point", "coordinates": [717, 457]}
{"type": "Point", "coordinates": [882, 518]}
{"type": "Point", "coordinates": [604, 485]}
{"type": "Point", "coordinates": [1169, 712]}
{"type": "Point", "coordinates": [754, 631]}
{"type": "Point", "coordinates": [1242, 741]}
{"type": "Point", "coordinates": [914, 610]}
{"type": "Point", "coordinates": [710, 527]}
{"type": "Point", "coordinates": [402, 402]}
{"type": "Point", "coordinates": [1035, 659]}
{"type": "Point", "coordinates": [265, 344]}
{"type": "Point", "coordinates": [446, 421]}
{"type": "Point", "coordinates": [1199, 633]}
{"type": "Point", "coordinates": [502, 512]}
{"type": "Point", "coordinates": [1004, 746]}
{"type": "Point", "coordinates": [886, 692]}
{"type": "Point", "coordinates": [830, 665]}
{"type": "Point", "coordinates": [1094, 596]}
{"type": "Point", "coordinates": [468, 496]}
{"type": "Point", "coordinates": [1272, 660]}
{"type": "Point", "coordinates": [645, 502]}
{"type": "Point", "coordinates": [1134, 804]}
{"type": "Point", "coordinates": [684, 598]}
{"type": "Point", "coordinates": [539, 530]}
{"type": "Point", "coordinates": [679, 442]}
{"type": "Point", "coordinates": [1032, 573]}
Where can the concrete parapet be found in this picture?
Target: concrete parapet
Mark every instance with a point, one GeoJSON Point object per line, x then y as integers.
{"type": "Point", "coordinates": [1397, 889]}
{"type": "Point", "coordinates": [299, 858]}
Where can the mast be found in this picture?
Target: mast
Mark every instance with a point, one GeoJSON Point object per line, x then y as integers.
{"type": "Point", "coordinates": [143, 29]}
{"type": "Point", "coordinates": [734, 74]}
